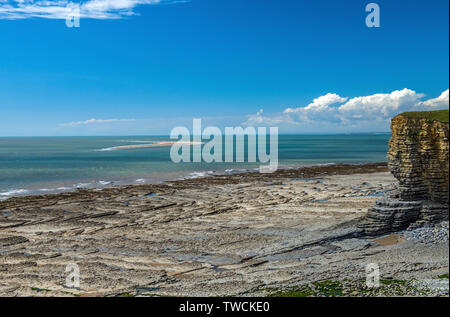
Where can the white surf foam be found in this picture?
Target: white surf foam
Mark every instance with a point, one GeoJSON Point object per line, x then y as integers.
{"type": "Point", "coordinates": [14, 192]}
{"type": "Point", "coordinates": [64, 188]}
{"type": "Point", "coordinates": [82, 185]}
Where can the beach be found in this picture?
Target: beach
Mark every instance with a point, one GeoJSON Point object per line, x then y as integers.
{"type": "Point", "coordinates": [46, 165]}
{"type": "Point", "coordinates": [246, 234]}
{"type": "Point", "coordinates": [221, 155]}
{"type": "Point", "coordinates": [142, 146]}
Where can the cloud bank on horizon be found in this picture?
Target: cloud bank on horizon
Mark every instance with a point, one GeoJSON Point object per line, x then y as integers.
{"type": "Point", "coordinates": [94, 121]}
{"type": "Point", "coordinates": [61, 9]}
{"type": "Point", "coordinates": [324, 114]}
{"type": "Point", "coordinates": [351, 112]}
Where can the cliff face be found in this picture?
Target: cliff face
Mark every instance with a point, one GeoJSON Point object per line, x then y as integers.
{"type": "Point", "coordinates": [419, 159]}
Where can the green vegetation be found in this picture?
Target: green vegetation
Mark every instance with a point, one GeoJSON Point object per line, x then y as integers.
{"type": "Point", "coordinates": [389, 282]}
{"type": "Point", "coordinates": [443, 276]}
{"type": "Point", "coordinates": [353, 289]}
{"type": "Point", "coordinates": [322, 288]}
{"type": "Point", "coordinates": [125, 295]}
{"type": "Point", "coordinates": [413, 135]}
{"type": "Point", "coordinates": [37, 289]}
{"type": "Point", "coordinates": [329, 288]}
{"type": "Point", "coordinates": [294, 292]}
{"type": "Point", "coordinates": [430, 116]}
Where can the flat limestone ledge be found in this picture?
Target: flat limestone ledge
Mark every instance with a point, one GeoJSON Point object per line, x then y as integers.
{"type": "Point", "coordinates": [220, 236]}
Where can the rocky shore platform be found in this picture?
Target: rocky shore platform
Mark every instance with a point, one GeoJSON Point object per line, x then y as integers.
{"type": "Point", "coordinates": [291, 233]}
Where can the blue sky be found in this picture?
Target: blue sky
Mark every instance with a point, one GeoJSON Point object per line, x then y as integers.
{"type": "Point", "coordinates": [143, 67]}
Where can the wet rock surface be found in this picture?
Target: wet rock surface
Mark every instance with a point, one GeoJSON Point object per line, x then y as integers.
{"type": "Point", "coordinates": [216, 236]}
{"type": "Point", "coordinates": [419, 160]}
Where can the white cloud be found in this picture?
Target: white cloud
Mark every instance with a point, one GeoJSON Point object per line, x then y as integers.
{"type": "Point", "coordinates": [320, 104]}
{"type": "Point", "coordinates": [137, 126]}
{"type": "Point", "coordinates": [379, 106]}
{"type": "Point", "coordinates": [441, 101]}
{"type": "Point", "coordinates": [373, 110]}
{"type": "Point", "coordinates": [258, 119]}
{"type": "Point", "coordinates": [94, 121]}
{"type": "Point", "coordinates": [61, 9]}
{"type": "Point", "coordinates": [320, 109]}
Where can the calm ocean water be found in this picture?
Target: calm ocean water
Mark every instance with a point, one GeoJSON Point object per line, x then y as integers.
{"type": "Point", "coordinates": [55, 164]}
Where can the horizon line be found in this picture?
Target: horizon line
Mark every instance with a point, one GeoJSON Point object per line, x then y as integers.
{"type": "Point", "coordinates": [168, 135]}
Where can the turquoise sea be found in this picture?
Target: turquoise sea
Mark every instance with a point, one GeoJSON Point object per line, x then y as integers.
{"type": "Point", "coordinates": [37, 165]}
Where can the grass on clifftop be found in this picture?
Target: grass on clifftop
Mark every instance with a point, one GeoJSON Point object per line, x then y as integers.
{"type": "Point", "coordinates": [437, 115]}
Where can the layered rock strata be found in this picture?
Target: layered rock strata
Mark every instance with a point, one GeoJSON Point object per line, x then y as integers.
{"type": "Point", "coordinates": [419, 159]}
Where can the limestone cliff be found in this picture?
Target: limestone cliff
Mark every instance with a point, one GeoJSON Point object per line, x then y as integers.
{"type": "Point", "coordinates": [419, 159]}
